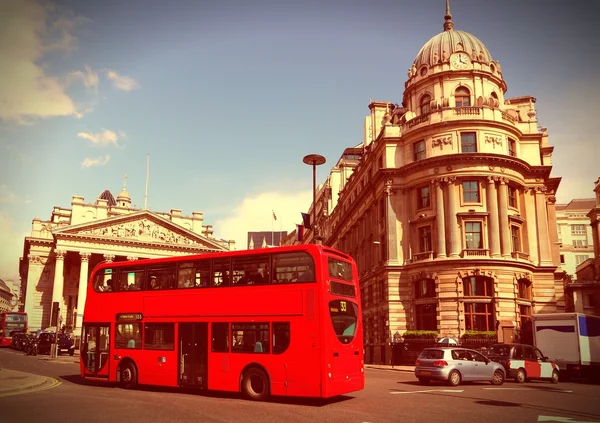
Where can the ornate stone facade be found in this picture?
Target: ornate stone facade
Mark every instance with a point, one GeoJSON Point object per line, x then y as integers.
{"type": "Point", "coordinates": [450, 210]}
{"type": "Point", "coordinates": [61, 253]}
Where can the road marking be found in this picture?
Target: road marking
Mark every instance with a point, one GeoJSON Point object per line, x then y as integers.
{"type": "Point", "coordinates": [48, 384]}
{"type": "Point", "coordinates": [561, 419]}
{"type": "Point", "coordinates": [562, 391]}
{"type": "Point", "coordinates": [429, 390]}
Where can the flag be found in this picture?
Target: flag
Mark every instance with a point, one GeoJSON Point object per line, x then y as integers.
{"type": "Point", "coordinates": [274, 216]}
{"type": "Point", "coordinates": [299, 233]}
{"type": "Point", "coordinates": [306, 220]}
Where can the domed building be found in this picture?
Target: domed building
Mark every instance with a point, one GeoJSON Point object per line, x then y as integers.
{"type": "Point", "coordinates": [449, 209]}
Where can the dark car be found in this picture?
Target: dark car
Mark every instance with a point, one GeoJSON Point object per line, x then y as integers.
{"type": "Point", "coordinates": [524, 362]}
{"type": "Point", "coordinates": [46, 339]}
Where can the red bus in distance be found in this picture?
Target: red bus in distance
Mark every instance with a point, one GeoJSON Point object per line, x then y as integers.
{"type": "Point", "coordinates": [278, 321]}
{"type": "Point", "coordinates": [11, 322]}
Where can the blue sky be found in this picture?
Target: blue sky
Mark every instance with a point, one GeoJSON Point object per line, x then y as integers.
{"type": "Point", "coordinates": [228, 96]}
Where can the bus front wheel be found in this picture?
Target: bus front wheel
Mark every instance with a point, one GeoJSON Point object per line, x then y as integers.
{"type": "Point", "coordinates": [128, 375]}
{"type": "Point", "coordinates": [255, 384]}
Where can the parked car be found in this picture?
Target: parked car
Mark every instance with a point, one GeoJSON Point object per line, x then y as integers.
{"type": "Point", "coordinates": [46, 339]}
{"type": "Point", "coordinates": [524, 362]}
{"type": "Point", "coordinates": [455, 365]}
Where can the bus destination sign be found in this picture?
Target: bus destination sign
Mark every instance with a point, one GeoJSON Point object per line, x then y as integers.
{"type": "Point", "coordinates": [129, 316]}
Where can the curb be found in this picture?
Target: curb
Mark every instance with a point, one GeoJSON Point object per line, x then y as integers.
{"type": "Point", "coordinates": [394, 369]}
{"type": "Point", "coordinates": [47, 380]}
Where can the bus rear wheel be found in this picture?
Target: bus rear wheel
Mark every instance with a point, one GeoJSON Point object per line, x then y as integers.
{"type": "Point", "coordinates": [255, 384]}
{"type": "Point", "coordinates": [128, 375]}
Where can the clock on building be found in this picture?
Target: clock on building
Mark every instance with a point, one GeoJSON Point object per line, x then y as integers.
{"type": "Point", "coordinates": [460, 60]}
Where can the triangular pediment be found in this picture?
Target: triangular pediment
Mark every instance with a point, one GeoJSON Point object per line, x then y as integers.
{"type": "Point", "coordinates": [143, 226]}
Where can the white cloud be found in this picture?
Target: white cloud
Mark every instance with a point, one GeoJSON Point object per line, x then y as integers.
{"type": "Point", "coordinates": [11, 248]}
{"type": "Point", "coordinates": [103, 138]}
{"type": "Point", "coordinates": [122, 82]}
{"type": "Point", "coordinates": [30, 30]}
{"type": "Point", "coordinates": [99, 161]}
{"type": "Point", "coordinates": [255, 213]}
{"type": "Point", "coordinates": [7, 196]}
{"type": "Point", "coordinates": [88, 77]}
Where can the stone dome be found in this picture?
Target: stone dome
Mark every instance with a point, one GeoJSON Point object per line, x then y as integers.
{"type": "Point", "coordinates": [439, 48]}
{"type": "Point", "coordinates": [123, 195]}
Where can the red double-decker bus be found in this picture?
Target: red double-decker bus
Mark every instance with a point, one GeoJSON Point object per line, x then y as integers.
{"type": "Point", "coordinates": [278, 321]}
{"type": "Point", "coordinates": [11, 322]}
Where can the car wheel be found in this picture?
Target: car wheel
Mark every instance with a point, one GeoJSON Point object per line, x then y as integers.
{"type": "Point", "coordinates": [255, 384]}
{"type": "Point", "coordinates": [71, 352]}
{"type": "Point", "coordinates": [521, 376]}
{"type": "Point", "coordinates": [424, 381]}
{"type": "Point", "coordinates": [498, 378]}
{"type": "Point", "coordinates": [454, 378]}
{"type": "Point", "coordinates": [128, 376]}
{"type": "Point", "coordinates": [554, 378]}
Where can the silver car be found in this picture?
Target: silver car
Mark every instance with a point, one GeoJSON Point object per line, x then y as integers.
{"type": "Point", "coordinates": [455, 365]}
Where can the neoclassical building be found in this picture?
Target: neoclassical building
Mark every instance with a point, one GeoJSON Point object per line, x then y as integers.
{"type": "Point", "coordinates": [448, 206]}
{"type": "Point", "coordinates": [61, 252]}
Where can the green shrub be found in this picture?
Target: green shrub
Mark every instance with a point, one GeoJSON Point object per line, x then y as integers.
{"type": "Point", "coordinates": [479, 334]}
{"type": "Point", "coordinates": [420, 334]}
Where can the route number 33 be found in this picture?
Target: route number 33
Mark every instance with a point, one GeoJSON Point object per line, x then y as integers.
{"type": "Point", "coordinates": [343, 305]}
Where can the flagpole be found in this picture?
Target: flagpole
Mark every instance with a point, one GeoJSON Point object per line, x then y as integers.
{"type": "Point", "coordinates": [273, 216]}
{"type": "Point", "coordinates": [146, 194]}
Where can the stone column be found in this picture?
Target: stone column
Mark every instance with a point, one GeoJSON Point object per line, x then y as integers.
{"type": "Point", "coordinates": [32, 295]}
{"type": "Point", "coordinates": [596, 237]}
{"type": "Point", "coordinates": [542, 224]}
{"type": "Point", "coordinates": [59, 280]}
{"type": "Point", "coordinates": [493, 227]}
{"type": "Point", "coordinates": [83, 286]}
{"type": "Point", "coordinates": [391, 224]}
{"type": "Point", "coordinates": [452, 222]}
{"type": "Point", "coordinates": [553, 230]}
{"type": "Point", "coordinates": [440, 219]}
{"type": "Point", "coordinates": [503, 216]}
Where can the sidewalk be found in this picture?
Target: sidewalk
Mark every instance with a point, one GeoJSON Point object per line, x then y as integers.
{"type": "Point", "coordinates": [62, 358]}
{"type": "Point", "coordinates": [410, 369]}
{"type": "Point", "coordinates": [12, 381]}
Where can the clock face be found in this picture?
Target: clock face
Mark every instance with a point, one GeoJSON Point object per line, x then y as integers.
{"type": "Point", "coordinates": [460, 61]}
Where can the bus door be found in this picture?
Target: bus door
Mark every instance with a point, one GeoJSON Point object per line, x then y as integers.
{"type": "Point", "coordinates": [193, 354]}
{"type": "Point", "coordinates": [95, 350]}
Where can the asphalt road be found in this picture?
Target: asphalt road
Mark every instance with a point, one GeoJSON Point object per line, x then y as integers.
{"type": "Point", "coordinates": [389, 396]}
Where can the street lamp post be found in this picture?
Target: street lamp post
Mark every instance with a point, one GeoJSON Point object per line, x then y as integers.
{"type": "Point", "coordinates": [314, 160]}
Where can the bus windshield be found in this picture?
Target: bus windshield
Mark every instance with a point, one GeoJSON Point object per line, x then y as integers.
{"type": "Point", "coordinates": [344, 315]}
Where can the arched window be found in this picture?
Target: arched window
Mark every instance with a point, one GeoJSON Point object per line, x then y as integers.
{"type": "Point", "coordinates": [462, 97]}
{"type": "Point", "coordinates": [478, 315]}
{"type": "Point", "coordinates": [425, 104]}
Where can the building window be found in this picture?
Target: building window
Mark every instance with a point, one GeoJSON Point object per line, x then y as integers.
{"type": "Point", "coordinates": [580, 259]}
{"type": "Point", "coordinates": [380, 162]}
{"type": "Point", "coordinates": [423, 197]}
{"type": "Point", "coordinates": [477, 286]}
{"type": "Point", "coordinates": [471, 192]}
{"type": "Point", "coordinates": [589, 300]}
{"type": "Point", "coordinates": [426, 316]}
{"type": "Point", "coordinates": [425, 104]}
{"type": "Point", "coordinates": [425, 239]}
{"type": "Point", "coordinates": [479, 316]}
{"type": "Point", "coordinates": [512, 197]}
{"type": "Point", "coordinates": [425, 288]}
{"type": "Point", "coordinates": [577, 229]}
{"type": "Point", "coordinates": [473, 236]}
{"type": "Point", "coordinates": [515, 234]}
{"type": "Point", "coordinates": [580, 243]}
{"type": "Point", "coordinates": [468, 142]}
{"type": "Point", "coordinates": [562, 259]}
{"type": "Point", "coordinates": [462, 97]}
{"type": "Point", "coordinates": [525, 312]}
{"type": "Point", "coordinates": [512, 147]}
{"type": "Point", "coordinates": [524, 287]}
{"type": "Point", "coordinates": [419, 150]}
